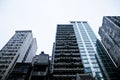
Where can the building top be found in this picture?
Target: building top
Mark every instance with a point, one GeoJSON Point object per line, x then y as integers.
{"type": "Point", "coordinates": [114, 19]}
{"type": "Point", "coordinates": [78, 21]}
{"type": "Point", "coordinates": [23, 31]}
{"type": "Point", "coordinates": [42, 59]}
{"type": "Point", "coordinates": [64, 24]}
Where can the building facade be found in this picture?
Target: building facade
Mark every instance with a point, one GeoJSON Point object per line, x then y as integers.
{"type": "Point", "coordinates": [86, 40]}
{"type": "Point", "coordinates": [106, 63]}
{"type": "Point", "coordinates": [21, 71]}
{"type": "Point", "coordinates": [66, 61]}
{"type": "Point", "coordinates": [110, 36]}
{"type": "Point", "coordinates": [19, 49]}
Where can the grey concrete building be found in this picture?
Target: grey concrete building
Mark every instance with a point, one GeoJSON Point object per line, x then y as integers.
{"type": "Point", "coordinates": [19, 49]}
{"type": "Point", "coordinates": [110, 37]}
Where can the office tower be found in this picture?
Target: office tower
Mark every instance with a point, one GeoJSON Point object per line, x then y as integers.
{"type": "Point", "coordinates": [110, 36]}
{"type": "Point", "coordinates": [86, 40]}
{"type": "Point", "coordinates": [41, 67]}
{"type": "Point", "coordinates": [66, 58]}
{"type": "Point", "coordinates": [19, 49]}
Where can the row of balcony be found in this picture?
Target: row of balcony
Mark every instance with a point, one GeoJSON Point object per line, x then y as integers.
{"type": "Point", "coordinates": [38, 73]}
{"type": "Point", "coordinates": [67, 50]}
{"type": "Point", "coordinates": [67, 55]}
{"type": "Point", "coordinates": [63, 63]}
{"type": "Point", "coordinates": [64, 43]}
{"type": "Point", "coordinates": [68, 69]}
{"type": "Point", "coordinates": [9, 50]}
{"type": "Point", "coordinates": [6, 58]}
{"type": "Point", "coordinates": [68, 65]}
{"type": "Point", "coordinates": [65, 58]}
{"type": "Point", "coordinates": [7, 54]}
{"type": "Point", "coordinates": [66, 47]}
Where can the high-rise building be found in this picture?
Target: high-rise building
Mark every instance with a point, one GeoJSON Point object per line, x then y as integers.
{"type": "Point", "coordinates": [86, 40]}
{"type": "Point", "coordinates": [110, 36]}
{"type": "Point", "coordinates": [66, 58]}
{"type": "Point", "coordinates": [77, 54]}
{"type": "Point", "coordinates": [19, 49]}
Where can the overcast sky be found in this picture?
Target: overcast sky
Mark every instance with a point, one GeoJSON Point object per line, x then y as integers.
{"type": "Point", "coordinates": [42, 16]}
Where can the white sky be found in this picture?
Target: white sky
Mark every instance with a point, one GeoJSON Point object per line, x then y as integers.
{"type": "Point", "coordinates": [42, 16]}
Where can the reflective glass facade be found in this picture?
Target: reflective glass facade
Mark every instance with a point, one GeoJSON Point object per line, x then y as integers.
{"type": "Point", "coordinates": [86, 40]}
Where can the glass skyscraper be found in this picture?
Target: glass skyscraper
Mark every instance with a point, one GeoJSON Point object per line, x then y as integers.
{"type": "Point", "coordinates": [86, 40]}
{"type": "Point", "coordinates": [19, 49]}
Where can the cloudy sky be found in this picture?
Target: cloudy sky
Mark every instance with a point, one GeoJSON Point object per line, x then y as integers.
{"type": "Point", "coordinates": [42, 16]}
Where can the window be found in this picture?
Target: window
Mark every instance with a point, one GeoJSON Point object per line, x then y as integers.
{"type": "Point", "coordinates": [88, 45]}
{"type": "Point", "coordinates": [80, 45]}
{"type": "Point", "coordinates": [88, 70]}
{"type": "Point", "coordinates": [89, 48]}
{"type": "Point", "coordinates": [84, 57]}
{"type": "Point", "coordinates": [72, 21]}
{"type": "Point", "coordinates": [98, 74]}
{"type": "Point", "coordinates": [97, 69]}
{"type": "Point", "coordinates": [85, 61]}
{"type": "Point", "coordinates": [91, 51]}
{"type": "Point", "coordinates": [92, 56]}
{"type": "Point", "coordinates": [82, 51]}
{"type": "Point", "coordinates": [87, 65]}
{"type": "Point", "coordinates": [95, 65]}
{"type": "Point", "coordinates": [82, 48]}
{"type": "Point", "coordinates": [93, 61]}
{"type": "Point", "coordinates": [84, 54]}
